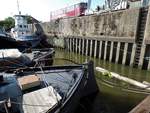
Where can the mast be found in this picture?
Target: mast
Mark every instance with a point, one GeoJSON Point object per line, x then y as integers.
{"type": "Point", "coordinates": [18, 8]}
{"type": "Point", "coordinates": [89, 4]}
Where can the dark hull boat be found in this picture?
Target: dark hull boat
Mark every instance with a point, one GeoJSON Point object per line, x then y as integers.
{"type": "Point", "coordinates": [31, 41]}
{"type": "Point", "coordinates": [27, 32]}
{"type": "Point", "coordinates": [13, 58]}
{"type": "Point", "coordinates": [55, 89]}
{"type": "Point", "coordinates": [7, 42]}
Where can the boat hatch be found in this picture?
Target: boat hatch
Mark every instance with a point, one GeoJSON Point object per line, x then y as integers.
{"type": "Point", "coordinates": [28, 82]}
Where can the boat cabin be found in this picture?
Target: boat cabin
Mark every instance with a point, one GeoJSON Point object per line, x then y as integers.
{"type": "Point", "coordinates": [22, 28]}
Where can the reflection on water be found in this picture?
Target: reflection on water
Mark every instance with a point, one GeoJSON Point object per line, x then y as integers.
{"type": "Point", "coordinates": [110, 99]}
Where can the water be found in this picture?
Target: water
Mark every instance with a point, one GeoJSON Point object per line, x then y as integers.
{"type": "Point", "coordinates": [112, 98]}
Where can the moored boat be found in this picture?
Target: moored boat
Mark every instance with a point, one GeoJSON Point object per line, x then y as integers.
{"type": "Point", "coordinates": [25, 32]}
{"type": "Point", "coordinates": [7, 42]}
{"type": "Point", "coordinates": [55, 89]}
{"type": "Point", "coordinates": [13, 58]}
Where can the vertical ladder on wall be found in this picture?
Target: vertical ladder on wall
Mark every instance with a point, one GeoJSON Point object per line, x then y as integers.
{"type": "Point", "coordinates": [140, 34]}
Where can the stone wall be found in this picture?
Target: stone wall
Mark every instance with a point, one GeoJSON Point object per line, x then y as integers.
{"type": "Point", "coordinates": [115, 36]}
{"type": "Point", "coordinates": [118, 25]}
{"type": "Point", "coordinates": [147, 29]}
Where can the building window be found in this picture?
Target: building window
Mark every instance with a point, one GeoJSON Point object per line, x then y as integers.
{"type": "Point", "coordinates": [20, 26]}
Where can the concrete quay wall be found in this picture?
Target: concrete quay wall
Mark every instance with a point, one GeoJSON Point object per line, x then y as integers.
{"type": "Point", "coordinates": [113, 36]}
{"type": "Point", "coordinates": [119, 25]}
{"type": "Point", "coordinates": [147, 29]}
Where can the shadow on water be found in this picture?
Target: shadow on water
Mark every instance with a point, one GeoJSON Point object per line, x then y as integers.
{"type": "Point", "coordinates": [111, 98]}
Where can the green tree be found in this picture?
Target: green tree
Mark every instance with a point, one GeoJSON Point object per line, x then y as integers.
{"type": "Point", "coordinates": [29, 20]}
{"type": "Point", "coordinates": [2, 23]}
{"type": "Point", "coordinates": [8, 23]}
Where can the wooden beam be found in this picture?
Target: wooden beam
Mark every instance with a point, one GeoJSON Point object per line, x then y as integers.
{"type": "Point", "coordinates": [143, 107]}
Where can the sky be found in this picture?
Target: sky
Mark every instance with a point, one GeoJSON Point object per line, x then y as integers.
{"type": "Point", "coordinates": [39, 9]}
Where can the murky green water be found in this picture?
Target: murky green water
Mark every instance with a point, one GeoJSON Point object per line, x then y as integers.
{"type": "Point", "coordinates": [112, 98]}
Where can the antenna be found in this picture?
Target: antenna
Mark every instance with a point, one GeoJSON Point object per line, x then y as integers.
{"type": "Point", "coordinates": [89, 4]}
{"type": "Point", "coordinates": [18, 7]}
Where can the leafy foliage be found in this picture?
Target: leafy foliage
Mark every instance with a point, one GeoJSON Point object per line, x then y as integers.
{"type": "Point", "coordinates": [29, 20]}
{"type": "Point", "coordinates": [8, 23]}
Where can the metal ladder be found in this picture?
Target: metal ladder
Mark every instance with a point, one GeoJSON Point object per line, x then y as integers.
{"type": "Point", "coordinates": [140, 34]}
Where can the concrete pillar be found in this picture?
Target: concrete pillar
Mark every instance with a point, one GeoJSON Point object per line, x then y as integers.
{"type": "Point", "coordinates": [117, 52]}
{"type": "Point", "coordinates": [76, 45]}
{"type": "Point", "coordinates": [100, 49]}
{"type": "Point", "coordinates": [69, 44]}
{"type": "Point", "coordinates": [95, 49]}
{"type": "Point", "coordinates": [80, 46]}
{"type": "Point", "coordinates": [83, 41]}
{"type": "Point", "coordinates": [91, 46]}
{"type": "Point", "coordinates": [125, 53]}
{"type": "Point", "coordinates": [87, 47]}
{"type": "Point", "coordinates": [105, 51]}
{"type": "Point", "coordinates": [65, 47]}
{"type": "Point", "coordinates": [142, 56]}
{"type": "Point", "coordinates": [133, 54]}
{"type": "Point", "coordinates": [111, 51]}
{"type": "Point", "coordinates": [66, 43]}
{"type": "Point", "coordinates": [148, 67]}
{"type": "Point", "coordinates": [73, 45]}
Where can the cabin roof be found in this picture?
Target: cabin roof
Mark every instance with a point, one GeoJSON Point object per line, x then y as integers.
{"type": "Point", "coordinates": [20, 16]}
{"type": "Point", "coordinates": [134, 0]}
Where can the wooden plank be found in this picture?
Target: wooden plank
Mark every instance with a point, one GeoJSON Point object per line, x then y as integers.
{"type": "Point", "coordinates": [143, 107]}
{"type": "Point", "coordinates": [42, 100]}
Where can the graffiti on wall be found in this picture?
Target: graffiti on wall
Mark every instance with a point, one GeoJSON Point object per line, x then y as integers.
{"type": "Point", "coordinates": [116, 4]}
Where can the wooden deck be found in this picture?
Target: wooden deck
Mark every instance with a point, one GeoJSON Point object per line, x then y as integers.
{"type": "Point", "coordinates": [39, 101]}
{"type": "Point", "coordinates": [143, 107]}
